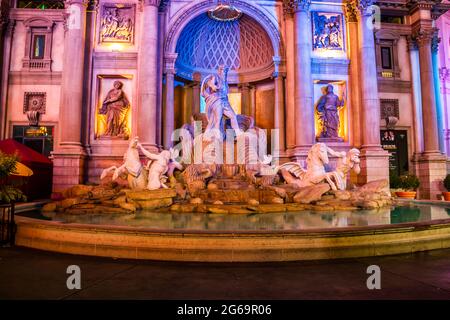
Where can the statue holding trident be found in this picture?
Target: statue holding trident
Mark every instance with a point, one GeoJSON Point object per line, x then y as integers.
{"type": "Point", "coordinates": [215, 91]}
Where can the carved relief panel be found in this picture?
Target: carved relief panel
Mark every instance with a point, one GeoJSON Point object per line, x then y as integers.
{"type": "Point", "coordinates": [328, 31]}
{"type": "Point", "coordinates": [34, 106]}
{"type": "Point", "coordinates": [117, 23]}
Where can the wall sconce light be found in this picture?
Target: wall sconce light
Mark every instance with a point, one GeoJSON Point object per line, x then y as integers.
{"type": "Point", "coordinates": [116, 47]}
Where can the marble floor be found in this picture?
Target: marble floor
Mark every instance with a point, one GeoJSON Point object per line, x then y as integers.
{"type": "Point", "coordinates": [31, 274]}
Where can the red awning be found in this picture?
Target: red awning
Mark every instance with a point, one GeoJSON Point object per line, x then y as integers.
{"type": "Point", "coordinates": [26, 155]}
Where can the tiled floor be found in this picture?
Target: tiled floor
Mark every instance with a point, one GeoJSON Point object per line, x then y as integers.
{"type": "Point", "coordinates": [31, 274]}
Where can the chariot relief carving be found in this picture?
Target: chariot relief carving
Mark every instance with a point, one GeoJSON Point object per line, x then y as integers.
{"type": "Point", "coordinates": [327, 31]}
{"type": "Point", "coordinates": [117, 23]}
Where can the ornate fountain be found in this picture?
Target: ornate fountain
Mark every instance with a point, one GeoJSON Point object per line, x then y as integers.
{"type": "Point", "coordinates": [220, 165]}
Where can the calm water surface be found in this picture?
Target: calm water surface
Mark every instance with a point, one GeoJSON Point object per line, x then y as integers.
{"type": "Point", "coordinates": [267, 221]}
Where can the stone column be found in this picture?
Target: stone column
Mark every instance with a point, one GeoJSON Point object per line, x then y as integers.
{"type": "Point", "coordinates": [147, 116]}
{"type": "Point", "coordinates": [7, 36]}
{"type": "Point", "coordinates": [196, 92]}
{"type": "Point", "coordinates": [169, 116]}
{"type": "Point", "coordinates": [245, 98]}
{"type": "Point", "coordinates": [374, 160]}
{"type": "Point", "coordinates": [252, 112]}
{"type": "Point", "coordinates": [290, 82]}
{"type": "Point", "coordinates": [69, 155]}
{"type": "Point", "coordinates": [354, 81]}
{"type": "Point", "coordinates": [304, 108]}
{"type": "Point", "coordinates": [432, 163]}
{"type": "Point", "coordinates": [439, 112]}
{"type": "Point", "coordinates": [279, 118]}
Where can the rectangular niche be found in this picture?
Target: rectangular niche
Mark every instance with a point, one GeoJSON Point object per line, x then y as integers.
{"type": "Point", "coordinates": [339, 89]}
{"type": "Point", "coordinates": [114, 107]}
{"type": "Point", "coordinates": [328, 31]}
{"type": "Point", "coordinates": [117, 23]}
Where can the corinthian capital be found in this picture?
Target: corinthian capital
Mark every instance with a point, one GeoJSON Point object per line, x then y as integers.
{"type": "Point", "coordinates": [154, 3]}
{"type": "Point", "coordinates": [351, 10]}
{"type": "Point", "coordinates": [291, 6]}
{"type": "Point", "coordinates": [435, 41]}
{"type": "Point", "coordinates": [79, 2]}
{"type": "Point", "coordinates": [424, 37]}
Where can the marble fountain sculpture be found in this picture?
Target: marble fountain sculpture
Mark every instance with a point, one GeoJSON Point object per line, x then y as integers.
{"type": "Point", "coordinates": [192, 177]}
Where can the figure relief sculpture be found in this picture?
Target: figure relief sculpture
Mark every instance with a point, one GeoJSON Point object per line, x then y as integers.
{"type": "Point", "coordinates": [157, 166]}
{"type": "Point", "coordinates": [140, 177]}
{"type": "Point", "coordinates": [117, 24]}
{"type": "Point", "coordinates": [327, 31]}
{"type": "Point", "coordinates": [328, 108]}
{"type": "Point", "coordinates": [347, 162]}
{"type": "Point", "coordinates": [215, 91]}
{"type": "Point", "coordinates": [115, 108]}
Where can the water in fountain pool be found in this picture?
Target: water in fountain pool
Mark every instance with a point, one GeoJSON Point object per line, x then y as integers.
{"type": "Point", "coordinates": [288, 221]}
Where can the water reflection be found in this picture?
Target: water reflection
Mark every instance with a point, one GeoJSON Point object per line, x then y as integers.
{"type": "Point", "coordinates": [267, 221]}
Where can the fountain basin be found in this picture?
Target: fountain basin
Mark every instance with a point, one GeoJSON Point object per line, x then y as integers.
{"type": "Point", "coordinates": [318, 239]}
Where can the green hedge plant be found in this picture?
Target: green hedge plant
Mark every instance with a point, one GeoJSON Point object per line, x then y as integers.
{"type": "Point", "coordinates": [409, 182]}
{"type": "Point", "coordinates": [8, 192]}
{"type": "Point", "coordinates": [447, 182]}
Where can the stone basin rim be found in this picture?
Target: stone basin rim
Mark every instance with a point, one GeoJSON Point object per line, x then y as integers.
{"type": "Point", "coordinates": [344, 231]}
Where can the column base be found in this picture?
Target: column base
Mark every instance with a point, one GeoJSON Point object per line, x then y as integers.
{"type": "Point", "coordinates": [374, 165]}
{"type": "Point", "coordinates": [432, 169]}
{"type": "Point", "coordinates": [299, 153]}
{"type": "Point", "coordinates": [68, 167]}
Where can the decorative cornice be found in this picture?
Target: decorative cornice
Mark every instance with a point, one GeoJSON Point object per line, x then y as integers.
{"type": "Point", "coordinates": [292, 6]}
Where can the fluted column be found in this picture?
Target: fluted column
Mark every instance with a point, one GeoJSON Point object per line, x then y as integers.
{"type": "Point", "coordinates": [196, 93]}
{"type": "Point", "coordinates": [368, 76]}
{"type": "Point", "coordinates": [304, 108]}
{"type": "Point", "coordinates": [169, 114]}
{"type": "Point", "coordinates": [69, 154]}
{"type": "Point", "coordinates": [7, 33]}
{"type": "Point", "coordinates": [290, 81]}
{"type": "Point", "coordinates": [72, 77]}
{"type": "Point", "coordinates": [354, 81]}
{"type": "Point", "coordinates": [147, 78]}
{"type": "Point", "coordinates": [252, 112]}
{"type": "Point", "coordinates": [245, 98]}
{"type": "Point", "coordinates": [432, 163]}
{"type": "Point", "coordinates": [374, 160]}
{"type": "Point", "coordinates": [429, 116]}
{"type": "Point", "coordinates": [279, 118]}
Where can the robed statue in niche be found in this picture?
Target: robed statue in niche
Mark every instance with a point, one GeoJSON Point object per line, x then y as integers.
{"type": "Point", "coordinates": [328, 108]}
{"type": "Point", "coordinates": [115, 108]}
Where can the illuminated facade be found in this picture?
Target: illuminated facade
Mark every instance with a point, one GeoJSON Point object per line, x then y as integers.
{"type": "Point", "coordinates": [60, 71]}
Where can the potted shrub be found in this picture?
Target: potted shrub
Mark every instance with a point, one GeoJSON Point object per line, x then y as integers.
{"type": "Point", "coordinates": [409, 183]}
{"type": "Point", "coordinates": [9, 193]}
{"type": "Point", "coordinates": [447, 187]}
